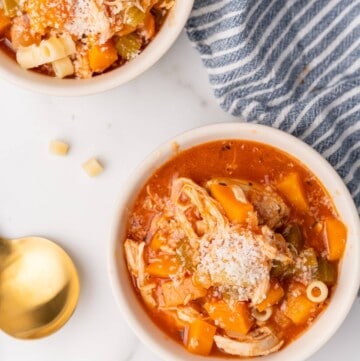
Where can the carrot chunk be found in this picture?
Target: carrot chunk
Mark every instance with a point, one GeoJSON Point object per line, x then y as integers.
{"type": "Point", "coordinates": [274, 295]}
{"type": "Point", "coordinates": [235, 210]}
{"type": "Point", "coordinates": [200, 337]}
{"type": "Point", "coordinates": [175, 295]}
{"type": "Point", "coordinates": [5, 22]}
{"type": "Point", "coordinates": [298, 308]}
{"type": "Point", "coordinates": [149, 26]}
{"type": "Point", "coordinates": [156, 241]}
{"type": "Point", "coordinates": [335, 234]}
{"type": "Point", "coordinates": [163, 266]}
{"type": "Point", "coordinates": [102, 56]}
{"type": "Point", "coordinates": [236, 319]}
{"type": "Point", "coordinates": [292, 189]}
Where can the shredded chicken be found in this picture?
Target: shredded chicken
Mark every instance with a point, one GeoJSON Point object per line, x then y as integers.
{"type": "Point", "coordinates": [134, 253]}
{"type": "Point", "coordinates": [233, 258]}
{"type": "Point", "coordinates": [198, 197]}
{"type": "Point", "coordinates": [188, 314]}
{"type": "Point", "coordinates": [146, 292]}
{"type": "Point", "coordinates": [262, 341]}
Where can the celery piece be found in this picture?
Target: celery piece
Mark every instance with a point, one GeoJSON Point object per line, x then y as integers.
{"type": "Point", "coordinates": [281, 270]}
{"type": "Point", "coordinates": [183, 256]}
{"type": "Point", "coordinates": [293, 235]}
{"type": "Point", "coordinates": [128, 46]}
{"type": "Point", "coordinates": [306, 263]}
{"type": "Point", "coordinates": [278, 269]}
{"type": "Point", "coordinates": [309, 257]}
{"type": "Point", "coordinates": [134, 16]}
{"type": "Point", "coordinates": [326, 271]}
{"type": "Point", "coordinates": [10, 7]}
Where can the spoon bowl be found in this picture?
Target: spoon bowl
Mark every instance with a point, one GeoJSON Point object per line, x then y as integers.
{"type": "Point", "coordinates": [39, 287]}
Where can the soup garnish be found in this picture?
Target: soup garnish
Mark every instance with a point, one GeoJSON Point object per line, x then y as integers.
{"type": "Point", "coordinates": [233, 248]}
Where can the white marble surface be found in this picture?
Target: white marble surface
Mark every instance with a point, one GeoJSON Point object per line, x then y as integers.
{"type": "Point", "coordinates": [44, 195]}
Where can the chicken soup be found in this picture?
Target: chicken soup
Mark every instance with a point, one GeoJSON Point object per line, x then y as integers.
{"type": "Point", "coordinates": [233, 248]}
{"type": "Point", "coordinates": [78, 38]}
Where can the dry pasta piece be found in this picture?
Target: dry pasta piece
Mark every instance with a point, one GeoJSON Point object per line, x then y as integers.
{"type": "Point", "coordinates": [63, 67]}
{"type": "Point", "coordinates": [102, 56]}
{"type": "Point", "coordinates": [58, 147]}
{"type": "Point", "coordinates": [200, 337]}
{"type": "Point", "coordinates": [92, 167]}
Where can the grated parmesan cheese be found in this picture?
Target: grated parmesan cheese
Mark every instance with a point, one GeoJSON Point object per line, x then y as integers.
{"type": "Point", "coordinates": [237, 264]}
{"type": "Point", "coordinates": [89, 18]}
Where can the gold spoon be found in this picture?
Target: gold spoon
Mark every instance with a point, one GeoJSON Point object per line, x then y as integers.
{"type": "Point", "coordinates": [39, 287]}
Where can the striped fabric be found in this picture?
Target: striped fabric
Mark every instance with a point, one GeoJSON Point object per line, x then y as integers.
{"type": "Point", "coordinates": [291, 64]}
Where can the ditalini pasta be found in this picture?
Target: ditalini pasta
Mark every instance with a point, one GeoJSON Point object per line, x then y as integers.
{"type": "Point", "coordinates": [47, 51]}
{"type": "Point", "coordinates": [63, 67]}
{"type": "Point", "coordinates": [93, 167]}
{"type": "Point", "coordinates": [58, 147]}
{"type": "Point", "coordinates": [94, 35]}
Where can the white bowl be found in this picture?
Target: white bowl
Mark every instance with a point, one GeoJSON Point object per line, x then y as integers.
{"type": "Point", "coordinates": [349, 278]}
{"type": "Point", "coordinates": [12, 72]}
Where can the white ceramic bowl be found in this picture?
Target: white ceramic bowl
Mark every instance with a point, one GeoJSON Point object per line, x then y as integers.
{"type": "Point", "coordinates": [326, 324]}
{"type": "Point", "coordinates": [11, 71]}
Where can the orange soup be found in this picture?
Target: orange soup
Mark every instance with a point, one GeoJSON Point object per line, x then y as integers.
{"type": "Point", "coordinates": [78, 38]}
{"type": "Point", "coordinates": [233, 248]}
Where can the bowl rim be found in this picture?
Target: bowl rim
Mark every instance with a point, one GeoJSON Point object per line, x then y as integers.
{"type": "Point", "coordinates": [245, 131]}
{"type": "Point", "coordinates": [10, 71]}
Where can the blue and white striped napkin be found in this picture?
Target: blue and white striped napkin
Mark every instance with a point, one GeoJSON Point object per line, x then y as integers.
{"type": "Point", "coordinates": [291, 64]}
